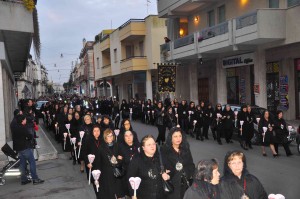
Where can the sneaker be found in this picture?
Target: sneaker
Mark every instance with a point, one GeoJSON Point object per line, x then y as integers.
{"type": "Point", "coordinates": [38, 181]}
{"type": "Point", "coordinates": [26, 182]}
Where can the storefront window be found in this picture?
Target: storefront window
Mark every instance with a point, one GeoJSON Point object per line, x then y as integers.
{"type": "Point", "coordinates": [293, 2]}
{"type": "Point", "coordinates": [273, 3]}
{"type": "Point", "coordinates": [273, 98]}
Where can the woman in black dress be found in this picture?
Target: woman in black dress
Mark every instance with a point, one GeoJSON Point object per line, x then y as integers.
{"type": "Point", "coordinates": [92, 146]}
{"type": "Point", "coordinates": [178, 159]}
{"type": "Point", "coordinates": [266, 132]}
{"type": "Point", "coordinates": [147, 167]}
{"type": "Point", "coordinates": [206, 181]}
{"type": "Point", "coordinates": [282, 133]}
{"type": "Point", "coordinates": [110, 186]}
{"type": "Point", "coordinates": [129, 148]}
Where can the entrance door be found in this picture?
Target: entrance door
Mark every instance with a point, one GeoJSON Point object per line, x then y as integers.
{"type": "Point", "coordinates": [233, 90]}
{"type": "Point", "coordinates": [130, 96]}
{"type": "Point", "coordinates": [273, 97]}
{"type": "Point", "coordinates": [203, 90]}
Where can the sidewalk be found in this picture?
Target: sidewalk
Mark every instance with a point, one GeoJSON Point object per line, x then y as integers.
{"type": "Point", "coordinates": [62, 178]}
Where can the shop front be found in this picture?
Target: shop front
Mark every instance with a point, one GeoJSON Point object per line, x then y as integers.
{"type": "Point", "coordinates": [240, 78]}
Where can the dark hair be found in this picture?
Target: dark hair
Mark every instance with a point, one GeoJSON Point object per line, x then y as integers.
{"type": "Point", "coordinates": [184, 144]}
{"type": "Point", "coordinates": [204, 169]}
{"type": "Point", "coordinates": [20, 118]}
{"type": "Point", "coordinates": [278, 112]}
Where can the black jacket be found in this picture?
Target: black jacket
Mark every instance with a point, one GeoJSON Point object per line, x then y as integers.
{"type": "Point", "coordinates": [148, 169]}
{"type": "Point", "coordinates": [21, 137]}
{"type": "Point", "coordinates": [234, 188]}
{"type": "Point", "coordinates": [203, 190]}
{"type": "Point", "coordinates": [228, 119]}
{"type": "Point", "coordinates": [281, 131]}
{"type": "Point", "coordinates": [170, 158]}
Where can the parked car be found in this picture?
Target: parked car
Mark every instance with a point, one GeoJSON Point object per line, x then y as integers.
{"type": "Point", "coordinates": [298, 140]}
{"type": "Point", "coordinates": [258, 111]}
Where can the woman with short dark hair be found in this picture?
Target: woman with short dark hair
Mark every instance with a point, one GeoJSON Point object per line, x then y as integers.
{"type": "Point", "coordinates": [206, 181]}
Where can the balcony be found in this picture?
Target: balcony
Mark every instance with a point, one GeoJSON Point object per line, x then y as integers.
{"type": "Point", "coordinates": [16, 28]}
{"type": "Point", "coordinates": [135, 63]}
{"type": "Point", "coordinates": [165, 52]}
{"type": "Point", "coordinates": [180, 7]}
{"type": "Point", "coordinates": [215, 39]}
{"type": "Point", "coordinates": [132, 29]}
{"type": "Point", "coordinates": [260, 27]}
{"type": "Point", "coordinates": [105, 43]}
{"type": "Point", "coordinates": [106, 71]}
{"type": "Point", "coordinates": [184, 47]}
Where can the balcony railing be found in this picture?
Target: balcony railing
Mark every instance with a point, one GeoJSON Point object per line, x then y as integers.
{"type": "Point", "coordinates": [106, 66]}
{"type": "Point", "coordinates": [104, 38]}
{"type": "Point", "coordinates": [165, 47]}
{"type": "Point", "coordinates": [214, 31]}
{"type": "Point", "coordinates": [133, 57]}
{"type": "Point", "coordinates": [246, 20]}
{"type": "Point", "coordinates": [129, 21]}
{"type": "Point", "coordinates": [184, 41]}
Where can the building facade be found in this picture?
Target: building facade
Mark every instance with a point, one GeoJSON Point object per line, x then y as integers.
{"type": "Point", "coordinates": [235, 51]}
{"type": "Point", "coordinates": [16, 28]}
{"type": "Point", "coordinates": [125, 59]}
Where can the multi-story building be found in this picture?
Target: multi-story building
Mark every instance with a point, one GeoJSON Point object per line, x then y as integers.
{"type": "Point", "coordinates": [26, 83]}
{"type": "Point", "coordinates": [16, 28]}
{"type": "Point", "coordinates": [235, 51]}
{"type": "Point", "coordinates": [87, 76]}
{"type": "Point", "coordinates": [124, 59]}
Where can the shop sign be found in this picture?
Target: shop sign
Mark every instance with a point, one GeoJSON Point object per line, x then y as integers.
{"type": "Point", "coordinates": [283, 91]}
{"type": "Point", "coordinates": [238, 60]}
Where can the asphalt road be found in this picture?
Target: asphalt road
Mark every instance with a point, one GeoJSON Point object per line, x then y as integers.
{"type": "Point", "coordinates": [63, 180]}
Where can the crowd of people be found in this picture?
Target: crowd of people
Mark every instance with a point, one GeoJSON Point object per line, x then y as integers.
{"type": "Point", "coordinates": [91, 128]}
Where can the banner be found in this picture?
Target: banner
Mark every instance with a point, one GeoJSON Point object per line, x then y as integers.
{"type": "Point", "coordinates": [166, 78]}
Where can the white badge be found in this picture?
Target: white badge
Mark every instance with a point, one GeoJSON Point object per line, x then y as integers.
{"type": "Point", "coordinates": [179, 166]}
{"type": "Point", "coordinates": [113, 160]}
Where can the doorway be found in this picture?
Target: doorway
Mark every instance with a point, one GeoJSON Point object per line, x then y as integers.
{"type": "Point", "coordinates": [273, 98]}
{"type": "Point", "coordinates": [203, 90]}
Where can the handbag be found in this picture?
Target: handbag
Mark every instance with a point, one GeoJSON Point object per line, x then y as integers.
{"type": "Point", "coordinates": [167, 184]}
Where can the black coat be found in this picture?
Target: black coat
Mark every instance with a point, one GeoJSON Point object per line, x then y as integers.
{"type": "Point", "coordinates": [88, 131]}
{"type": "Point", "coordinates": [281, 131]}
{"type": "Point", "coordinates": [170, 158]}
{"type": "Point", "coordinates": [148, 169]}
{"type": "Point", "coordinates": [228, 119]}
{"type": "Point", "coordinates": [92, 146]}
{"type": "Point", "coordinates": [109, 185]}
{"type": "Point", "coordinates": [244, 116]}
{"type": "Point", "coordinates": [269, 136]}
{"type": "Point", "coordinates": [233, 187]}
{"type": "Point", "coordinates": [208, 116]}
{"type": "Point", "coordinates": [21, 137]}
{"type": "Point", "coordinates": [203, 190]}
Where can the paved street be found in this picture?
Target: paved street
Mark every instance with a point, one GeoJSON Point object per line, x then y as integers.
{"type": "Point", "coordinates": [63, 180]}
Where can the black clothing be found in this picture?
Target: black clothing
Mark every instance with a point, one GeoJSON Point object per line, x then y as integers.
{"type": "Point", "coordinates": [234, 187]}
{"type": "Point", "coordinates": [148, 169]}
{"type": "Point", "coordinates": [170, 158]}
{"type": "Point", "coordinates": [160, 123]}
{"type": "Point", "coordinates": [203, 190]}
{"type": "Point", "coordinates": [21, 137]}
{"type": "Point", "coordinates": [269, 135]}
{"type": "Point", "coordinates": [109, 184]}
{"type": "Point", "coordinates": [228, 119]}
{"type": "Point", "coordinates": [281, 134]}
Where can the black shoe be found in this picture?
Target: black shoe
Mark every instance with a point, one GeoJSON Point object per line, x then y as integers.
{"type": "Point", "coordinates": [74, 162]}
{"type": "Point", "coordinates": [245, 148]}
{"type": "Point", "coordinates": [202, 139]}
{"type": "Point", "coordinates": [197, 138]}
{"type": "Point", "coordinates": [264, 154]}
{"type": "Point", "coordinates": [230, 141]}
{"type": "Point", "coordinates": [192, 135]}
{"type": "Point", "coordinates": [26, 182]}
{"type": "Point", "coordinates": [220, 143]}
{"type": "Point", "coordinates": [207, 138]}
{"type": "Point", "coordinates": [38, 181]}
{"type": "Point", "coordinates": [71, 158]}
{"type": "Point", "coordinates": [290, 154]}
{"type": "Point", "coordinates": [250, 147]}
{"type": "Point", "coordinates": [82, 171]}
{"type": "Point", "coordinates": [275, 155]}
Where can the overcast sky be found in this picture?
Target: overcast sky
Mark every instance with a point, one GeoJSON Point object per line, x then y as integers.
{"type": "Point", "coordinates": [64, 23]}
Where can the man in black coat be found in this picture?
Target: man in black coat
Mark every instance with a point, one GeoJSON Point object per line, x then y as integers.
{"type": "Point", "coordinates": [22, 144]}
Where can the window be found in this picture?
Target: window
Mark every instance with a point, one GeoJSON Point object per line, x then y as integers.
{"type": "Point", "coordinates": [293, 2]}
{"type": "Point", "coordinates": [129, 51]}
{"type": "Point", "coordinates": [98, 64]}
{"type": "Point", "coordinates": [141, 46]}
{"type": "Point", "coordinates": [273, 3]}
{"type": "Point", "coordinates": [115, 55]}
{"type": "Point", "coordinates": [211, 18]}
{"type": "Point", "coordinates": [221, 14]}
